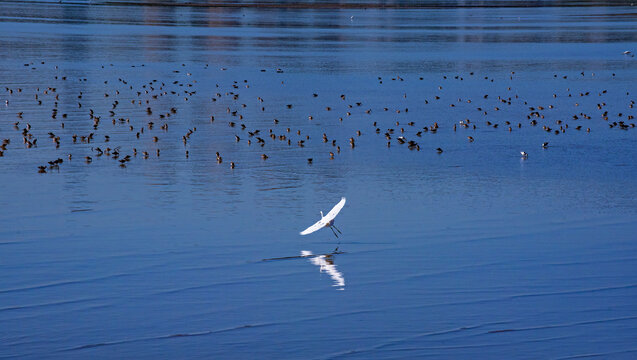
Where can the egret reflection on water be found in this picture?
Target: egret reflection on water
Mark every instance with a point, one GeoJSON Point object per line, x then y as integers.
{"type": "Point", "coordinates": [326, 264]}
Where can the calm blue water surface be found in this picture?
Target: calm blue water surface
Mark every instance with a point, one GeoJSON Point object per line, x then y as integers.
{"type": "Point", "coordinates": [475, 252]}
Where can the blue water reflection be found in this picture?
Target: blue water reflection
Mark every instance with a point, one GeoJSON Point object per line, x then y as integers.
{"type": "Point", "coordinates": [472, 252]}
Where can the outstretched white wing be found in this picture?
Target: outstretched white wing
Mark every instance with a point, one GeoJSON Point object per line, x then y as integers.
{"type": "Point", "coordinates": [326, 219]}
{"type": "Point", "coordinates": [319, 225]}
{"type": "Point", "coordinates": [335, 210]}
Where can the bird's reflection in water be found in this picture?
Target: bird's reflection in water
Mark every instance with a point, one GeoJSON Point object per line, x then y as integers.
{"type": "Point", "coordinates": [325, 263]}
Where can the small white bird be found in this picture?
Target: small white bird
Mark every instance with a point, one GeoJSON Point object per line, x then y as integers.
{"type": "Point", "coordinates": [545, 145]}
{"type": "Point", "coordinates": [327, 220]}
{"type": "Point", "coordinates": [524, 154]}
{"type": "Point", "coordinates": [627, 52]}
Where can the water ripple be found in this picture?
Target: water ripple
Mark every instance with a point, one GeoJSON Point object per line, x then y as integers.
{"type": "Point", "coordinates": [63, 283]}
{"type": "Point", "coordinates": [162, 337]}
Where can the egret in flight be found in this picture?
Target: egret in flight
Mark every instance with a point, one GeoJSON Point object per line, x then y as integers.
{"type": "Point", "coordinates": [327, 220]}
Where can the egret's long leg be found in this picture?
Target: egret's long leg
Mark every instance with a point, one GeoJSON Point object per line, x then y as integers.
{"type": "Point", "coordinates": [334, 226]}
{"type": "Point", "coordinates": [334, 232]}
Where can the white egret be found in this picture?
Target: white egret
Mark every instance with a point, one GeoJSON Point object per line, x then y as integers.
{"type": "Point", "coordinates": [327, 220]}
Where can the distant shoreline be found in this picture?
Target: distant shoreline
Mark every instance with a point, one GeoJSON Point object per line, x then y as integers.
{"type": "Point", "coordinates": [353, 5]}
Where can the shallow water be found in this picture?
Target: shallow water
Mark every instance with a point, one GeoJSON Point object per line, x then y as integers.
{"type": "Point", "coordinates": [471, 253]}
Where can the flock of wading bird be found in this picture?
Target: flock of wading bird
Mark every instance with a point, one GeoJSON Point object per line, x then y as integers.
{"type": "Point", "coordinates": [152, 115]}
